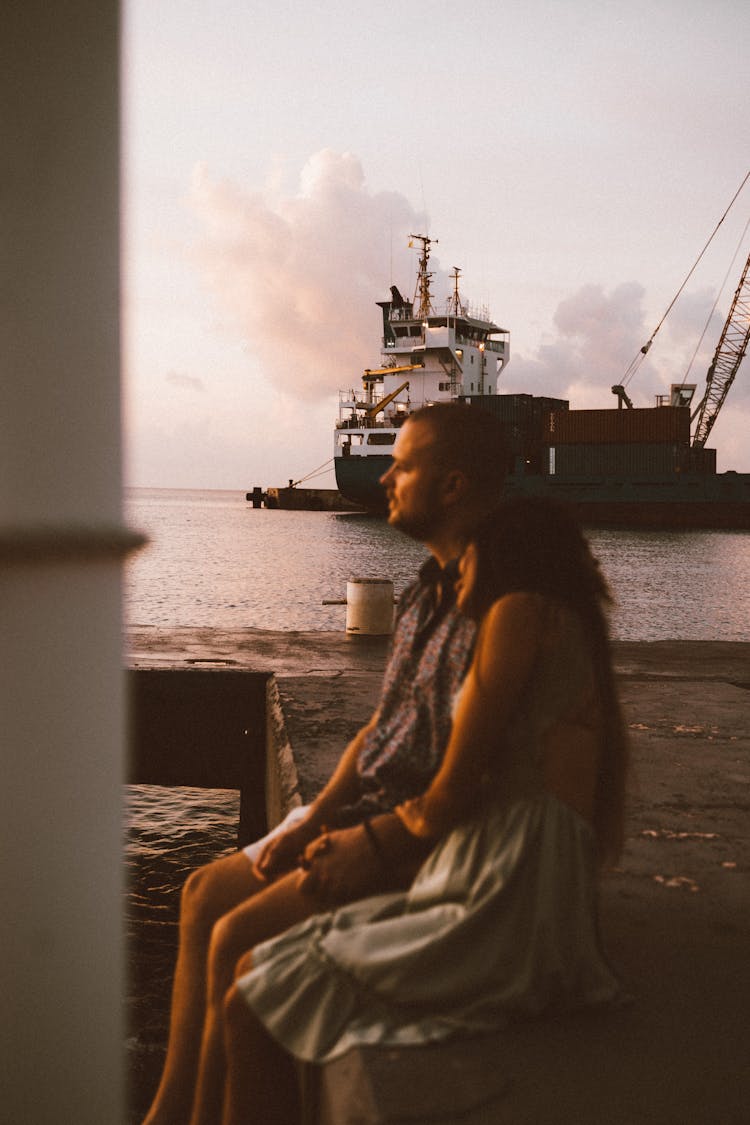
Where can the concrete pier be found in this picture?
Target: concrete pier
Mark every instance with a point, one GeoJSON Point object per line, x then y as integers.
{"type": "Point", "coordinates": [675, 914]}
{"type": "Point", "coordinates": [294, 499]}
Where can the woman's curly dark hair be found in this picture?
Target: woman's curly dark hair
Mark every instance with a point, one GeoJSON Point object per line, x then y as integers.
{"type": "Point", "coordinates": [535, 545]}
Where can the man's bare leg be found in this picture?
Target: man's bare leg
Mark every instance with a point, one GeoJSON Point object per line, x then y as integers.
{"type": "Point", "coordinates": [208, 894]}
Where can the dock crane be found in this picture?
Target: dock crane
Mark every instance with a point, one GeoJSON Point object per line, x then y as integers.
{"type": "Point", "coordinates": [730, 351]}
{"type": "Point", "coordinates": [727, 358]}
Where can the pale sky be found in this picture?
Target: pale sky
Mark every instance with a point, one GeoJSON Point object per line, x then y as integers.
{"type": "Point", "coordinates": [571, 157]}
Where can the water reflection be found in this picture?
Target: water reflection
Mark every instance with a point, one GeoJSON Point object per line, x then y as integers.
{"type": "Point", "coordinates": [214, 560]}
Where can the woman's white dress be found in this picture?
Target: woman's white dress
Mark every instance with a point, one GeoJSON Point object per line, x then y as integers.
{"type": "Point", "coordinates": [499, 923]}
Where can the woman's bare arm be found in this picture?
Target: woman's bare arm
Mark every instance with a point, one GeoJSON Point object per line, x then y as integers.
{"type": "Point", "coordinates": [353, 862]}
{"type": "Point", "coordinates": [507, 647]}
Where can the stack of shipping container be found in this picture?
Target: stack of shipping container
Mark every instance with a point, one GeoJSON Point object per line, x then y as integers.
{"type": "Point", "coordinates": [525, 420]}
{"type": "Point", "coordinates": [652, 442]}
{"type": "Point", "coordinates": [546, 438]}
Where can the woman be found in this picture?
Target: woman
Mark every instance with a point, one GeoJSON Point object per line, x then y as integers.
{"type": "Point", "coordinates": [500, 921]}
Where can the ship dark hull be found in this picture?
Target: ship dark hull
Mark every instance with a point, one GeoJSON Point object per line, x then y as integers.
{"type": "Point", "coordinates": [688, 501]}
{"type": "Point", "coordinates": [358, 480]}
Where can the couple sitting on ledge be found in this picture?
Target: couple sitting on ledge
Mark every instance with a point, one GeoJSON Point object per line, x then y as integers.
{"type": "Point", "coordinates": [444, 881]}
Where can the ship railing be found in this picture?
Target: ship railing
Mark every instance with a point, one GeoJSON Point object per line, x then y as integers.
{"type": "Point", "coordinates": [402, 312]}
{"type": "Point", "coordinates": [496, 345]}
{"type": "Point", "coordinates": [474, 312]}
{"type": "Point", "coordinates": [364, 422]}
{"type": "Point", "coordinates": [499, 346]}
{"type": "Point", "coordinates": [350, 400]}
{"type": "Point", "coordinates": [401, 343]}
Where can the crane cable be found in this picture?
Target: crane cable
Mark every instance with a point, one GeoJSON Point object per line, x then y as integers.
{"type": "Point", "coordinates": [640, 356]}
{"type": "Point", "coordinates": [713, 310]}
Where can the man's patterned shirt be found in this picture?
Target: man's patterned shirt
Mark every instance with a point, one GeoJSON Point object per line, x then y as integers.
{"type": "Point", "coordinates": [431, 653]}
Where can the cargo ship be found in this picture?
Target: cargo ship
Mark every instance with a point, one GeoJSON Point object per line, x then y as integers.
{"type": "Point", "coordinates": [619, 467]}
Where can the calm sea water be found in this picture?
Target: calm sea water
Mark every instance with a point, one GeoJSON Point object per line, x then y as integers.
{"type": "Point", "coordinates": [214, 560]}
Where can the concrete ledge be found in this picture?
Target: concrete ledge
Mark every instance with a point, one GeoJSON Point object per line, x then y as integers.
{"type": "Point", "coordinates": [675, 913]}
{"type": "Point", "coordinates": [282, 792]}
{"type": "Point", "coordinates": [435, 1085]}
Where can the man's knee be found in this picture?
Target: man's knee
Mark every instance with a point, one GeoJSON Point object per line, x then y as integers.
{"type": "Point", "coordinates": [213, 890]}
{"type": "Point", "coordinates": [198, 892]}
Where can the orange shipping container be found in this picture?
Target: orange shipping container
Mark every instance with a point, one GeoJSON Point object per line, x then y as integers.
{"type": "Point", "coordinates": [649, 425]}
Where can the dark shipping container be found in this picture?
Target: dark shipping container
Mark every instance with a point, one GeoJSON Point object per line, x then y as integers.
{"type": "Point", "coordinates": [526, 411]}
{"type": "Point", "coordinates": [702, 460]}
{"type": "Point", "coordinates": [524, 420]}
{"type": "Point", "coordinates": [623, 460]}
{"type": "Point", "coordinates": [647, 425]}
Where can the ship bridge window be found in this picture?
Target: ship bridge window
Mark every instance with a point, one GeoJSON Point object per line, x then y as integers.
{"type": "Point", "coordinates": [350, 439]}
{"type": "Point", "coordinates": [381, 439]}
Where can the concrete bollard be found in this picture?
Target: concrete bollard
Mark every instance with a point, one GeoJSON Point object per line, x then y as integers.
{"type": "Point", "coordinates": [369, 606]}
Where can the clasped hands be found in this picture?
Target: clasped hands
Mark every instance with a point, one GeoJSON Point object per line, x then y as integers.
{"type": "Point", "coordinates": [335, 866]}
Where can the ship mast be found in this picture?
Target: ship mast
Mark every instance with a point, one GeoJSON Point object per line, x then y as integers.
{"type": "Point", "coordinates": [422, 295]}
{"type": "Point", "coordinates": [455, 305]}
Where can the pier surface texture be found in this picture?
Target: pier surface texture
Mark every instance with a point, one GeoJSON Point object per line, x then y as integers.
{"type": "Point", "coordinates": [675, 915]}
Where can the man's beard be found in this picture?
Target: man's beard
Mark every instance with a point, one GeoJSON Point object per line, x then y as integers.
{"type": "Point", "coordinates": [420, 525]}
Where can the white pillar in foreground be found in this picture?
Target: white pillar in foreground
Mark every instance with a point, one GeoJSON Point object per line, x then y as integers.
{"type": "Point", "coordinates": [61, 546]}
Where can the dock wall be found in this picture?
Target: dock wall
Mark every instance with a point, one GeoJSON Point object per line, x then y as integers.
{"type": "Point", "coordinates": [214, 729]}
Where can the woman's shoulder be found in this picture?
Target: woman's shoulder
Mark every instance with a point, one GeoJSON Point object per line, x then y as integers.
{"type": "Point", "coordinates": [521, 609]}
{"type": "Point", "coordinates": [528, 609]}
{"type": "Point", "coordinates": [527, 624]}
{"type": "Point", "coordinates": [509, 639]}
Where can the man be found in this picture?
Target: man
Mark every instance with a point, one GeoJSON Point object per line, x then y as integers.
{"type": "Point", "coordinates": [447, 471]}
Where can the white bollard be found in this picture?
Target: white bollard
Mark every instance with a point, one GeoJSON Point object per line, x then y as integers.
{"type": "Point", "coordinates": [369, 606]}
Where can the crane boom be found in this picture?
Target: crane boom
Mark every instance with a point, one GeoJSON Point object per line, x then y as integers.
{"type": "Point", "coordinates": [373, 372]}
{"type": "Point", "coordinates": [371, 409]}
{"type": "Point", "coordinates": [727, 358]}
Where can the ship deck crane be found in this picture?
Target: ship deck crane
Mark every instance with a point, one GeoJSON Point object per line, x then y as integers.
{"type": "Point", "coordinates": [623, 398]}
{"type": "Point", "coordinates": [371, 409]}
{"type": "Point", "coordinates": [727, 358]}
{"type": "Point", "coordinates": [372, 373]}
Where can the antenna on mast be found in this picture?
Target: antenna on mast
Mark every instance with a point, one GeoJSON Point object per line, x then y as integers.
{"type": "Point", "coordinates": [455, 304]}
{"type": "Point", "coordinates": [422, 291]}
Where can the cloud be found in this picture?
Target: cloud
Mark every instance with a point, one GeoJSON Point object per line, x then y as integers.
{"type": "Point", "coordinates": [598, 334]}
{"type": "Point", "coordinates": [188, 382]}
{"type": "Point", "coordinates": [297, 275]}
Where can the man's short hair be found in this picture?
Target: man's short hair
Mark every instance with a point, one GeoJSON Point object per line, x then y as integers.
{"type": "Point", "coordinates": [469, 439]}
